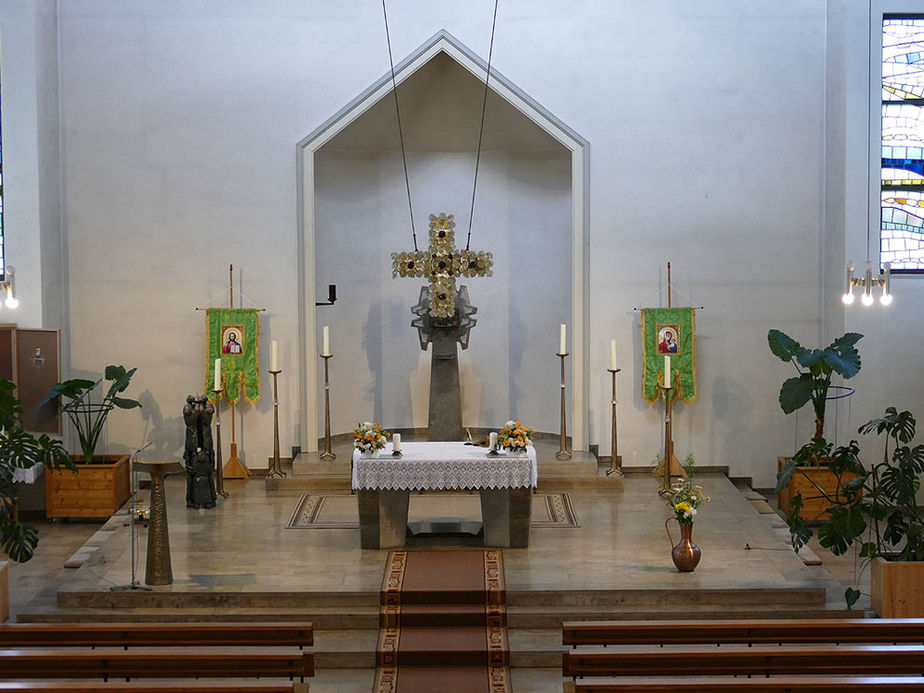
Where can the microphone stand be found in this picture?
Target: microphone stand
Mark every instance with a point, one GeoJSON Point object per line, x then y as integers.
{"type": "Point", "coordinates": [134, 584]}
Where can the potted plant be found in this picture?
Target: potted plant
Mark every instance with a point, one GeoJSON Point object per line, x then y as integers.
{"type": "Point", "coordinates": [19, 449]}
{"type": "Point", "coordinates": [814, 369]}
{"type": "Point", "coordinates": [100, 484]}
{"type": "Point", "coordinates": [878, 511]}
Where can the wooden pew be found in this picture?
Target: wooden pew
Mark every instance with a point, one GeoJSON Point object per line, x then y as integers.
{"type": "Point", "coordinates": [783, 684]}
{"type": "Point", "coordinates": [760, 660]}
{"type": "Point", "coordinates": [871, 630]}
{"type": "Point", "coordinates": [161, 662]}
{"type": "Point", "coordinates": [228, 686]}
{"type": "Point", "coordinates": [282, 634]}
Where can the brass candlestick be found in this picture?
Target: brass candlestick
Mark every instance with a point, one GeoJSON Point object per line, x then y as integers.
{"type": "Point", "coordinates": [563, 453]}
{"type": "Point", "coordinates": [219, 475]}
{"type": "Point", "coordinates": [615, 467]}
{"type": "Point", "coordinates": [275, 470]}
{"type": "Point", "coordinates": [672, 467]}
{"type": "Point", "coordinates": [327, 454]}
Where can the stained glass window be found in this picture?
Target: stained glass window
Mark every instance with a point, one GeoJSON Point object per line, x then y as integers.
{"type": "Point", "coordinates": [902, 187]}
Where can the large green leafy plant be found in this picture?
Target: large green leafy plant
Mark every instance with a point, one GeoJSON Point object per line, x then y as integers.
{"type": "Point", "coordinates": [878, 509]}
{"type": "Point", "coordinates": [89, 417]}
{"type": "Point", "coordinates": [814, 369]}
{"type": "Point", "coordinates": [20, 449]}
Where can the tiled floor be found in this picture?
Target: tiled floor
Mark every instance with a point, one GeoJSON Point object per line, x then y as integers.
{"type": "Point", "coordinates": [242, 545]}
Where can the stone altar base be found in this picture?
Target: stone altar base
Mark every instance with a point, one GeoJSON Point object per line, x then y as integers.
{"type": "Point", "coordinates": [505, 517]}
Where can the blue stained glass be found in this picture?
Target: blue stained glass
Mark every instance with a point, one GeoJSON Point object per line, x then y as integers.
{"type": "Point", "coordinates": [901, 233]}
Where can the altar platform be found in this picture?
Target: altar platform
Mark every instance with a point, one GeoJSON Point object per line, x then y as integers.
{"type": "Point", "coordinates": [239, 561]}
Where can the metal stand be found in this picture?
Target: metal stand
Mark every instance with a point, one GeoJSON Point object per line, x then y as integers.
{"type": "Point", "coordinates": [134, 584]}
{"type": "Point", "coordinates": [275, 470]}
{"type": "Point", "coordinates": [672, 466]}
{"type": "Point", "coordinates": [327, 454]}
{"type": "Point", "coordinates": [563, 453]}
{"type": "Point", "coordinates": [219, 475]}
{"type": "Point", "coordinates": [615, 466]}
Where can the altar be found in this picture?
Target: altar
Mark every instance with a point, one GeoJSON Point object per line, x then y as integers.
{"type": "Point", "coordinates": [383, 486]}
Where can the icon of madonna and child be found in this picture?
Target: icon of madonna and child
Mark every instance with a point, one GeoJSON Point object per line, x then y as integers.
{"type": "Point", "coordinates": [668, 339]}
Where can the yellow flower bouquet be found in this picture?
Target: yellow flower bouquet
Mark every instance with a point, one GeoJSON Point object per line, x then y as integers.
{"type": "Point", "coordinates": [515, 437]}
{"type": "Point", "coordinates": [369, 437]}
{"type": "Point", "coordinates": [684, 497]}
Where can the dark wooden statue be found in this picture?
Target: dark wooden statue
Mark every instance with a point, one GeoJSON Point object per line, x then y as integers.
{"type": "Point", "coordinates": [199, 453]}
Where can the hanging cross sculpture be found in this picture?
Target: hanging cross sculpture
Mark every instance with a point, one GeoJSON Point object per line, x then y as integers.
{"type": "Point", "coordinates": [441, 263]}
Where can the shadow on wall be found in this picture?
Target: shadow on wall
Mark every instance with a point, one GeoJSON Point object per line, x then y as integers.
{"type": "Point", "coordinates": [732, 405]}
{"type": "Point", "coordinates": [166, 435]}
{"type": "Point", "coordinates": [517, 335]}
{"type": "Point", "coordinates": [372, 344]}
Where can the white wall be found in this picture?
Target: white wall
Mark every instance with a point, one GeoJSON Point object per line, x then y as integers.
{"type": "Point", "coordinates": [523, 212]}
{"type": "Point", "coordinates": [708, 148]}
{"type": "Point", "coordinates": [31, 192]}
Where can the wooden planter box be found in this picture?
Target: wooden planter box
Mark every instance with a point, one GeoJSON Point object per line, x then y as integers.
{"type": "Point", "coordinates": [897, 588]}
{"type": "Point", "coordinates": [812, 508]}
{"type": "Point", "coordinates": [97, 489]}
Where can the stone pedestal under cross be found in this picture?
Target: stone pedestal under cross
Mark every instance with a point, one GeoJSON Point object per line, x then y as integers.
{"type": "Point", "coordinates": [444, 317]}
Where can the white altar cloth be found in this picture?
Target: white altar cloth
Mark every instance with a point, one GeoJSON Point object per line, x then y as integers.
{"type": "Point", "coordinates": [432, 466]}
{"type": "Point", "coordinates": [29, 475]}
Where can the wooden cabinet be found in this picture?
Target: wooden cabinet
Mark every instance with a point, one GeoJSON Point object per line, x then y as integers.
{"type": "Point", "coordinates": [98, 489]}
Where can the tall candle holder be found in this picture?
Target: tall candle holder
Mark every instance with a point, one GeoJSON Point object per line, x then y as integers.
{"type": "Point", "coordinates": [275, 468]}
{"type": "Point", "coordinates": [615, 466]}
{"type": "Point", "coordinates": [219, 474]}
{"type": "Point", "coordinates": [327, 454]}
{"type": "Point", "coordinates": [563, 453]}
{"type": "Point", "coordinates": [672, 467]}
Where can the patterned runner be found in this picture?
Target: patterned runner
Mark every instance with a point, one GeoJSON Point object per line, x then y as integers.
{"type": "Point", "coordinates": [442, 623]}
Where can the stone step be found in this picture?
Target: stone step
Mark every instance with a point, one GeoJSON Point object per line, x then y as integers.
{"type": "Point", "coordinates": [420, 647]}
{"type": "Point", "coordinates": [446, 615]}
{"type": "Point", "coordinates": [794, 597]}
{"type": "Point", "coordinates": [353, 680]}
{"type": "Point", "coordinates": [367, 617]}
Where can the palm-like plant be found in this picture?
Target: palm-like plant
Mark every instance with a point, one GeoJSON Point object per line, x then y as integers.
{"type": "Point", "coordinates": [19, 449]}
{"type": "Point", "coordinates": [89, 417]}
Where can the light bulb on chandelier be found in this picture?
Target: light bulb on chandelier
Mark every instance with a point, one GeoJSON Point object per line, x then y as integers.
{"type": "Point", "coordinates": [867, 282]}
{"type": "Point", "coordinates": [9, 284]}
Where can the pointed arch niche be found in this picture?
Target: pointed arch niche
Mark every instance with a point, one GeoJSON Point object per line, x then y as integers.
{"type": "Point", "coordinates": [531, 212]}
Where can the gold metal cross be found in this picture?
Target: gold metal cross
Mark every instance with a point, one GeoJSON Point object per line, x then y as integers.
{"type": "Point", "coordinates": [441, 263]}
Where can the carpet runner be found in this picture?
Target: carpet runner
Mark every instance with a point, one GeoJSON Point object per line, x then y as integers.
{"type": "Point", "coordinates": [339, 511]}
{"type": "Point", "coordinates": [443, 623]}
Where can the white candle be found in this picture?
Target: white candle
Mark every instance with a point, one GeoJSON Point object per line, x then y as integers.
{"type": "Point", "coordinates": [217, 374]}
{"type": "Point", "coordinates": [612, 354]}
{"type": "Point", "coordinates": [396, 442]}
{"type": "Point", "coordinates": [668, 381]}
{"type": "Point", "coordinates": [326, 350]}
{"type": "Point", "coordinates": [564, 340]}
{"type": "Point", "coordinates": [492, 440]}
{"type": "Point", "coordinates": [274, 356]}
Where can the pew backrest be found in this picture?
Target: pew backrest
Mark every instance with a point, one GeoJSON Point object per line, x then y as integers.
{"type": "Point", "coordinates": [578, 633]}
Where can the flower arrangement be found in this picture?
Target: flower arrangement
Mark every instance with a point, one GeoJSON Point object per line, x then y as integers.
{"type": "Point", "coordinates": [683, 496]}
{"type": "Point", "coordinates": [369, 437]}
{"type": "Point", "coordinates": [515, 436]}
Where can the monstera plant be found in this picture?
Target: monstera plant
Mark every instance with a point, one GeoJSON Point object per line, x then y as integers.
{"type": "Point", "coordinates": [814, 368]}
{"type": "Point", "coordinates": [875, 505]}
{"type": "Point", "coordinates": [19, 449]}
